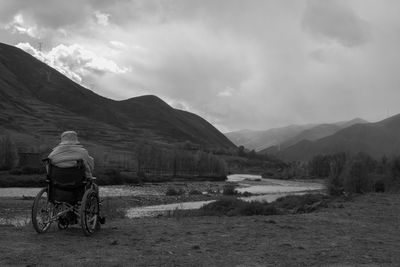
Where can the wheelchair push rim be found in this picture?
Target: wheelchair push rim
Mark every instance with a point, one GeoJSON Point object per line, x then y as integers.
{"type": "Point", "coordinates": [89, 213]}
{"type": "Point", "coordinates": [42, 211]}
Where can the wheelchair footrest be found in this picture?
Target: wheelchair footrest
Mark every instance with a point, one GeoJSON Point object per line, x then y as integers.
{"type": "Point", "coordinates": [102, 220]}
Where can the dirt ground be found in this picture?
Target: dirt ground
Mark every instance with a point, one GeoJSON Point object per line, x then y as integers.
{"type": "Point", "coordinates": [365, 232]}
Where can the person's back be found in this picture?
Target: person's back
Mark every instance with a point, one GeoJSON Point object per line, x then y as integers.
{"type": "Point", "coordinates": [69, 151]}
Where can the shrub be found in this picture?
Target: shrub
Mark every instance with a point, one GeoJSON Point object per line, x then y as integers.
{"type": "Point", "coordinates": [195, 192]}
{"type": "Point", "coordinates": [379, 186]}
{"type": "Point", "coordinates": [110, 176]}
{"type": "Point", "coordinates": [15, 172]}
{"type": "Point", "coordinates": [246, 194]}
{"type": "Point", "coordinates": [254, 208]}
{"type": "Point", "coordinates": [335, 185]}
{"type": "Point", "coordinates": [230, 206]}
{"type": "Point", "coordinates": [356, 177]}
{"type": "Point", "coordinates": [172, 191]}
{"type": "Point", "coordinates": [141, 174]}
{"type": "Point", "coordinates": [296, 201]}
{"type": "Point", "coordinates": [229, 190]}
{"type": "Point", "coordinates": [221, 207]}
{"type": "Point", "coordinates": [8, 153]}
{"type": "Point", "coordinates": [130, 178]}
{"type": "Point", "coordinates": [33, 170]}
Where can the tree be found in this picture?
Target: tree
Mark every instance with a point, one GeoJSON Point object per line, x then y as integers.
{"type": "Point", "coordinates": [8, 153]}
{"type": "Point", "coordinates": [241, 152]}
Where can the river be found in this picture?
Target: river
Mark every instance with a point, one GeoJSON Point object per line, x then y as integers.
{"type": "Point", "coordinates": [264, 190]}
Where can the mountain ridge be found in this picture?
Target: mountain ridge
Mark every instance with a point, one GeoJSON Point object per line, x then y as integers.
{"type": "Point", "coordinates": [377, 139]}
{"type": "Point", "coordinates": [37, 100]}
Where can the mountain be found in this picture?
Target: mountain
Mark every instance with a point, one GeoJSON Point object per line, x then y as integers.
{"type": "Point", "coordinates": [314, 133]}
{"type": "Point", "coordinates": [37, 103]}
{"type": "Point", "coordinates": [377, 139]}
{"type": "Point", "coordinates": [345, 124]}
{"type": "Point", "coordinates": [259, 140]}
{"type": "Point", "coordinates": [270, 140]}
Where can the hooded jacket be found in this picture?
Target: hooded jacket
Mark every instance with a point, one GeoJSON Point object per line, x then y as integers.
{"type": "Point", "coordinates": [65, 156]}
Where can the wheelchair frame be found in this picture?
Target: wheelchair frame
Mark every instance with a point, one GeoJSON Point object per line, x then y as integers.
{"type": "Point", "coordinates": [46, 209]}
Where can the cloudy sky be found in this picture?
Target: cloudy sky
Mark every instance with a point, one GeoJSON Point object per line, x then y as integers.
{"type": "Point", "coordinates": [252, 64]}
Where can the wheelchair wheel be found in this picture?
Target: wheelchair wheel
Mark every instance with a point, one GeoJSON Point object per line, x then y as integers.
{"type": "Point", "coordinates": [89, 212]}
{"type": "Point", "coordinates": [41, 212]}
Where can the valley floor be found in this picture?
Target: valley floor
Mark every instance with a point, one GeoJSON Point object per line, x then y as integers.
{"type": "Point", "coordinates": [365, 232]}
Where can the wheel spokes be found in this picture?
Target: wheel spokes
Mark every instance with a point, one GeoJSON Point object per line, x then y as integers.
{"type": "Point", "coordinates": [91, 212]}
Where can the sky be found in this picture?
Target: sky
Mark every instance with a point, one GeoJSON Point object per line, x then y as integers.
{"type": "Point", "coordinates": [254, 64]}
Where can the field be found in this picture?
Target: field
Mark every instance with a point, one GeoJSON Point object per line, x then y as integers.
{"type": "Point", "coordinates": [361, 231]}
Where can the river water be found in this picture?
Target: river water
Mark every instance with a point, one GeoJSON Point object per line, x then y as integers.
{"type": "Point", "coordinates": [265, 190]}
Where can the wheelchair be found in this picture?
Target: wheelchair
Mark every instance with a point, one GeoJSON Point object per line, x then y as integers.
{"type": "Point", "coordinates": [69, 198]}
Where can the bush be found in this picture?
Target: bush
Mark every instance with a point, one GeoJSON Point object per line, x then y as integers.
{"type": "Point", "coordinates": [356, 177]}
{"type": "Point", "coordinates": [15, 172]}
{"type": "Point", "coordinates": [130, 178]}
{"type": "Point", "coordinates": [221, 207]}
{"type": "Point", "coordinates": [230, 206]}
{"type": "Point", "coordinates": [110, 177]}
{"type": "Point", "coordinates": [8, 153]}
{"type": "Point", "coordinates": [379, 186]}
{"type": "Point", "coordinates": [229, 190]}
{"type": "Point", "coordinates": [296, 201]}
{"type": "Point", "coordinates": [33, 170]}
{"type": "Point", "coordinates": [254, 208]}
{"type": "Point", "coordinates": [172, 191]}
{"type": "Point", "coordinates": [195, 192]}
{"type": "Point", "coordinates": [335, 185]}
{"type": "Point", "coordinates": [22, 181]}
{"type": "Point", "coordinates": [352, 175]}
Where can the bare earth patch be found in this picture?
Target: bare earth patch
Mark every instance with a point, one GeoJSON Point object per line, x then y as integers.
{"type": "Point", "coordinates": [364, 232]}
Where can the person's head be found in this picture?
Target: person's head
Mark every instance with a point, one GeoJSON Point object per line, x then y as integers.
{"type": "Point", "coordinates": [69, 138]}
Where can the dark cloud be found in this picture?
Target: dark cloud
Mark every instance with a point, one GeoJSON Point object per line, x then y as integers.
{"type": "Point", "coordinates": [335, 21]}
{"type": "Point", "coordinates": [239, 64]}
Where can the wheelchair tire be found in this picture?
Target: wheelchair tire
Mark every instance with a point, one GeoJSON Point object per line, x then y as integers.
{"type": "Point", "coordinates": [41, 206]}
{"type": "Point", "coordinates": [89, 212]}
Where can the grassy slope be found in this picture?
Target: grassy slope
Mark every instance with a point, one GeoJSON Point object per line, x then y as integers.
{"type": "Point", "coordinates": [32, 90]}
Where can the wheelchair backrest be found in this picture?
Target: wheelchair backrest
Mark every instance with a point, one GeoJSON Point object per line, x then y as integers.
{"type": "Point", "coordinates": [64, 180]}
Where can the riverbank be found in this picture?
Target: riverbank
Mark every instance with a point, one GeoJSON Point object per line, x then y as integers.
{"type": "Point", "coordinates": [364, 232]}
{"type": "Point", "coordinates": [110, 177]}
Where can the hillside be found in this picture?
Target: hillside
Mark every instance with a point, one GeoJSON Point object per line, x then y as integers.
{"type": "Point", "coordinates": [314, 133]}
{"type": "Point", "coordinates": [37, 103]}
{"type": "Point", "coordinates": [269, 141]}
{"type": "Point", "coordinates": [377, 139]}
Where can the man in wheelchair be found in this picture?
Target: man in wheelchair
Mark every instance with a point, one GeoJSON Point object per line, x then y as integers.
{"type": "Point", "coordinates": [66, 154]}
{"type": "Point", "coordinates": [72, 193]}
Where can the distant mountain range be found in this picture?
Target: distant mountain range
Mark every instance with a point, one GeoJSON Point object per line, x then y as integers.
{"type": "Point", "coordinates": [377, 139]}
{"type": "Point", "coordinates": [37, 103]}
{"type": "Point", "coordinates": [264, 141]}
{"type": "Point", "coordinates": [259, 140]}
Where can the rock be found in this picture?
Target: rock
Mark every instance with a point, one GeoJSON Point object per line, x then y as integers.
{"type": "Point", "coordinates": [113, 243]}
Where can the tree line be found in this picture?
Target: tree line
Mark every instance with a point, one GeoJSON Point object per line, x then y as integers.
{"type": "Point", "coordinates": [357, 173]}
